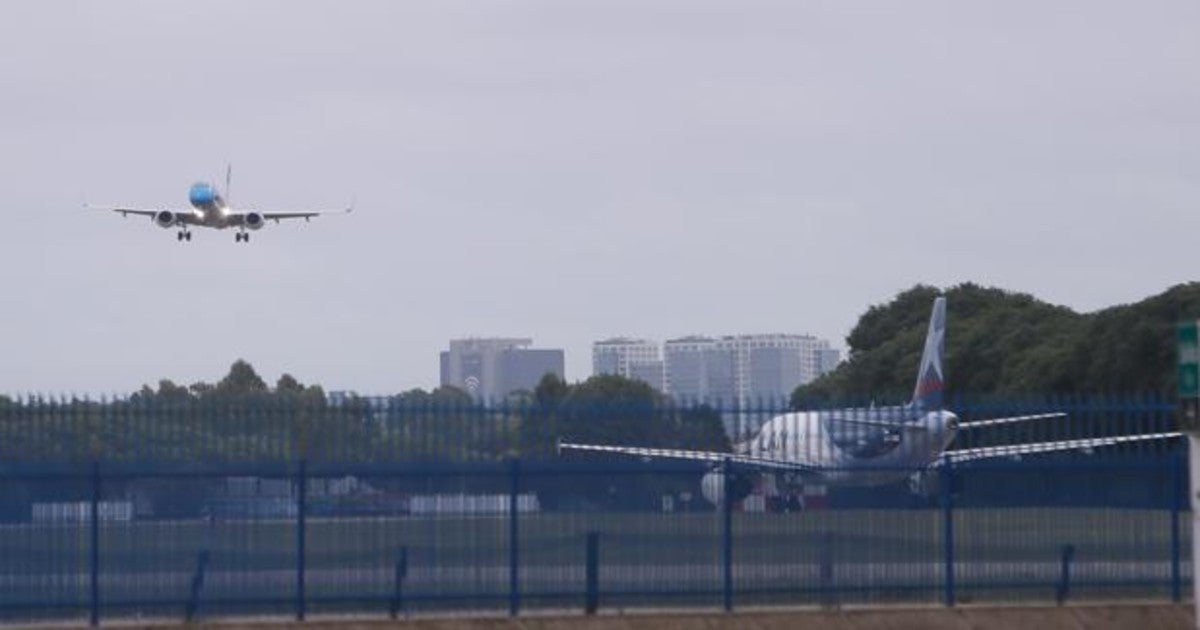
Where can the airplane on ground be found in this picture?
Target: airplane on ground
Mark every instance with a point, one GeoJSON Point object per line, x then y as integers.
{"type": "Point", "coordinates": [864, 446]}
{"type": "Point", "coordinates": [211, 209]}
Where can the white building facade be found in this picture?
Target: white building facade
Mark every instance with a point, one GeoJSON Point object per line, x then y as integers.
{"type": "Point", "coordinates": [491, 368]}
{"type": "Point", "coordinates": [637, 359]}
{"type": "Point", "coordinates": [742, 370]}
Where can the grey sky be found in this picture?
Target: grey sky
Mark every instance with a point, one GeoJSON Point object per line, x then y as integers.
{"type": "Point", "coordinates": [570, 170]}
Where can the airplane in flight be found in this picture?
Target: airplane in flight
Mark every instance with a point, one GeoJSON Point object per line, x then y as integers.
{"type": "Point", "coordinates": [864, 446]}
{"type": "Point", "coordinates": [211, 209]}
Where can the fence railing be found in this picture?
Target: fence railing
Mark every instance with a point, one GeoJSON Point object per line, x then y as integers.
{"type": "Point", "coordinates": [195, 512]}
{"type": "Point", "coordinates": [513, 536]}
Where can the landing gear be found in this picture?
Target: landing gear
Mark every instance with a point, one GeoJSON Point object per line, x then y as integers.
{"type": "Point", "coordinates": [241, 237]}
{"type": "Point", "coordinates": [918, 484]}
{"type": "Point", "coordinates": [183, 235]}
{"type": "Point", "coordinates": [923, 489]}
{"type": "Point", "coordinates": [788, 493]}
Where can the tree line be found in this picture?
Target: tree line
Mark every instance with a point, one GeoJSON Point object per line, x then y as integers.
{"type": "Point", "coordinates": [242, 418]}
{"type": "Point", "coordinates": [1004, 343]}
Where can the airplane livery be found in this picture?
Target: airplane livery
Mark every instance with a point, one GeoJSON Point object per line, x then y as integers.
{"type": "Point", "coordinates": [864, 446]}
{"type": "Point", "coordinates": [211, 209]}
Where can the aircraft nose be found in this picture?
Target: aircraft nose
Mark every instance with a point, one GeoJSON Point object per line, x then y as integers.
{"type": "Point", "coordinates": [201, 194]}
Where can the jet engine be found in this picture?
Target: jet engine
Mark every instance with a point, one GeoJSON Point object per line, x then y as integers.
{"type": "Point", "coordinates": [712, 486]}
{"type": "Point", "coordinates": [255, 221]}
{"type": "Point", "coordinates": [164, 218]}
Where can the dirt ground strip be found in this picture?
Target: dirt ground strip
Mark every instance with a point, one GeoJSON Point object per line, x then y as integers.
{"type": "Point", "coordinates": [1089, 617]}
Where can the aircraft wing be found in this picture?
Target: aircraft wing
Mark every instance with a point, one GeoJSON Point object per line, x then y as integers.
{"type": "Point", "coordinates": [1015, 450]}
{"type": "Point", "coordinates": [991, 422]}
{"type": "Point", "coordinates": [713, 457]}
{"type": "Point", "coordinates": [181, 216]}
{"type": "Point", "coordinates": [298, 214]}
{"type": "Point", "coordinates": [126, 211]}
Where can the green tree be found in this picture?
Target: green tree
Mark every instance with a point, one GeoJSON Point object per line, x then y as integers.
{"type": "Point", "coordinates": [1003, 343]}
{"type": "Point", "coordinates": [201, 389]}
{"type": "Point", "coordinates": [443, 396]}
{"type": "Point", "coordinates": [287, 384]}
{"type": "Point", "coordinates": [551, 390]}
{"type": "Point", "coordinates": [241, 380]}
{"type": "Point", "coordinates": [169, 391]}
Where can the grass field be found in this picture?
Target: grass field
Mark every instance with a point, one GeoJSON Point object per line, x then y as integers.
{"type": "Point", "coordinates": [645, 558]}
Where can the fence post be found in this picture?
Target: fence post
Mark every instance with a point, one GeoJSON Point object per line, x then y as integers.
{"type": "Point", "coordinates": [946, 484]}
{"type": "Point", "coordinates": [94, 585]}
{"type": "Point", "coordinates": [514, 558]}
{"type": "Point", "coordinates": [301, 508]}
{"type": "Point", "coordinates": [727, 536]}
{"type": "Point", "coordinates": [828, 593]}
{"type": "Point", "coordinates": [398, 586]}
{"type": "Point", "coordinates": [1064, 579]}
{"type": "Point", "coordinates": [592, 574]}
{"type": "Point", "coordinates": [1178, 489]}
{"type": "Point", "coordinates": [193, 604]}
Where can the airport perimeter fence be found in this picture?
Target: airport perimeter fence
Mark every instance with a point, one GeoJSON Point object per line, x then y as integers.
{"type": "Point", "coordinates": [208, 513]}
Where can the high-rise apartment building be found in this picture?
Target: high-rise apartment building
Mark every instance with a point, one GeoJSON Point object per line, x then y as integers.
{"type": "Point", "coordinates": [827, 359]}
{"type": "Point", "coordinates": [631, 358]}
{"type": "Point", "coordinates": [744, 369]}
{"type": "Point", "coordinates": [491, 368]}
{"type": "Point", "coordinates": [698, 371]}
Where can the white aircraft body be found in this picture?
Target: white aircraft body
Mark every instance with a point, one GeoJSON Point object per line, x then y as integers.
{"type": "Point", "coordinates": [868, 446]}
{"type": "Point", "coordinates": [211, 209]}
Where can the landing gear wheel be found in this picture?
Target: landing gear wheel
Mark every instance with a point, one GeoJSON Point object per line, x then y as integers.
{"type": "Point", "coordinates": [179, 236]}
{"type": "Point", "coordinates": [241, 237]}
{"type": "Point", "coordinates": [187, 236]}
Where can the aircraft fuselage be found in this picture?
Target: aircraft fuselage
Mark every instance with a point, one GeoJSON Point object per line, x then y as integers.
{"type": "Point", "coordinates": [856, 446]}
{"type": "Point", "coordinates": [210, 208]}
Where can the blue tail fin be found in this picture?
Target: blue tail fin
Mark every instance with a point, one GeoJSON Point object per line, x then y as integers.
{"type": "Point", "coordinates": [931, 379]}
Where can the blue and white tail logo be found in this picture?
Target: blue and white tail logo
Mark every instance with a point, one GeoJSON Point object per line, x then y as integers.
{"type": "Point", "coordinates": [931, 381]}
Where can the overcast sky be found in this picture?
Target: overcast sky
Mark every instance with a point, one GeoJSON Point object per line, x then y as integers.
{"type": "Point", "coordinates": [570, 170]}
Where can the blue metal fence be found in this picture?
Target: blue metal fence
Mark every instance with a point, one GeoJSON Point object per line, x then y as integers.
{"type": "Point", "coordinates": [195, 512]}
{"type": "Point", "coordinates": [270, 428]}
